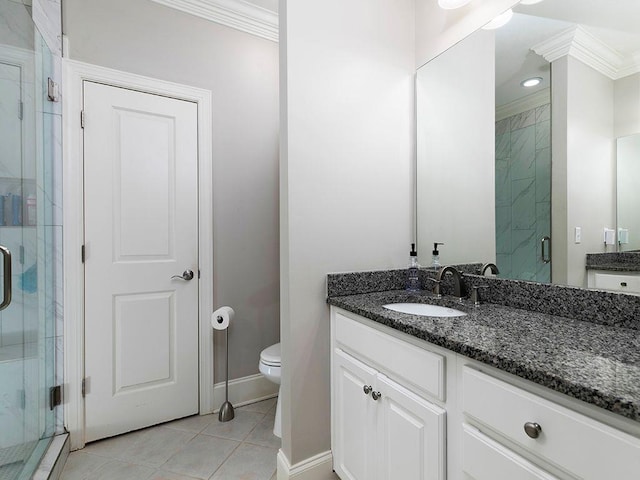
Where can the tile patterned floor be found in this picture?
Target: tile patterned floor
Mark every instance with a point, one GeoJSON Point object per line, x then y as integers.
{"type": "Point", "coordinates": [197, 447]}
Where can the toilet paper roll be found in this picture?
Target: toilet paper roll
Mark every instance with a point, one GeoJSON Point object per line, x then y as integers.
{"type": "Point", "coordinates": [221, 318]}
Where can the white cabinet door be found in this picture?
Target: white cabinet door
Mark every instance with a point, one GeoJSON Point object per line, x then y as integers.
{"type": "Point", "coordinates": [354, 419]}
{"type": "Point", "coordinates": [485, 459]}
{"type": "Point", "coordinates": [411, 435]}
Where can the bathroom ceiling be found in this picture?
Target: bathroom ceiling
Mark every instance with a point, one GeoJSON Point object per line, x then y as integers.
{"type": "Point", "coordinates": [613, 22]}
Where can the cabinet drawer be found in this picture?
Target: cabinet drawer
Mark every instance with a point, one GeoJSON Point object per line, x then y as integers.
{"type": "Point", "coordinates": [616, 282]}
{"type": "Point", "coordinates": [571, 441]}
{"type": "Point", "coordinates": [418, 369]}
{"type": "Point", "coordinates": [485, 459]}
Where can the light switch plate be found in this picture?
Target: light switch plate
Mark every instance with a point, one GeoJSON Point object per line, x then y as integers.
{"type": "Point", "coordinates": [609, 236]}
{"type": "Point", "coordinates": [578, 234]}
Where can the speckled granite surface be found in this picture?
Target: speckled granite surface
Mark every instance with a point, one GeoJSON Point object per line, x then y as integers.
{"type": "Point", "coordinates": [380, 280]}
{"type": "Point", "coordinates": [616, 262]}
{"type": "Point", "coordinates": [596, 363]}
{"type": "Point", "coordinates": [605, 308]}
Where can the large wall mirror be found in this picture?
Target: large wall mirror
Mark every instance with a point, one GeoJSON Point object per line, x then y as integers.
{"type": "Point", "coordinates": [525, 175]}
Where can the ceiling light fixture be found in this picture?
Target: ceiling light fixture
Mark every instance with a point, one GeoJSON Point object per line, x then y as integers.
{"type": "Point", "coordinates": [529, 2]}
{"type": "Point", "coordinates": [531, 82]}
{"type": "Point", "coordinates": [451, 4]}
{"type": "Point", "coordinates": [499, 21]}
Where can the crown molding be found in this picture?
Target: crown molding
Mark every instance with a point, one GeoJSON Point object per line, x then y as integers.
{"type": "Point", "coordinates": [590, 50]}
{"type": "Point", "coordinates": [237, 14]}
{"type": "Point", "coordinates": [534, 100]}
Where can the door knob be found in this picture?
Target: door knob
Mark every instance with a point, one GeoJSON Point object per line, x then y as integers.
{"type": "Point", "coordinates": [186, 275]}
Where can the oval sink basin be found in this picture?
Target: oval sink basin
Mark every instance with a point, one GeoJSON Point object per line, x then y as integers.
{"type": "Point", "coordinates": [424, 309]}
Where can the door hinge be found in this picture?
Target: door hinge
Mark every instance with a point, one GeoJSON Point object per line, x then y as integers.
{"type": "Point", "coordinates": [198, 274]}
{"type": "Point", "coordinates": [21, 110]}
{"type": "Point", "coordinates": [85, 386]}
{"type": "Point", "coordinates": [82, 119]}
{"type": "Point", "coordinates": [22, 399]}
{"type": "Point", "coordinates": [21, 255]}
{"type": "Point", "coordinates": [55, 396]}
{"type": "Point", "coordinates": [82, 253]}
{"type": "Point", "coordinates": [53, 90]}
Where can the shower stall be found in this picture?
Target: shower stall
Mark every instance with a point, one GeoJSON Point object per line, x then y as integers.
{"type": "Point", "coordinates": [30, 146]}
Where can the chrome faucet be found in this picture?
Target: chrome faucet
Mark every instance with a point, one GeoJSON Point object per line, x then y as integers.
{"type": "Point", "coordinates": [458, 284]}
{"type": "Point", "coordinates": [487, 266]}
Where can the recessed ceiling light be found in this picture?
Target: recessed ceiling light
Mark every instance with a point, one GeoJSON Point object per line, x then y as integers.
{"type": "Point", "coordinates": [451, 4]}
{"type": "Point", "coordinates": [531, 82]}
{"type": "Point", "coordinates": [529, 2]}
{"type": "Point", "coordinates": [499, 21]}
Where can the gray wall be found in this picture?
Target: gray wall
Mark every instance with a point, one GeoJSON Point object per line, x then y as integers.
{"type": "Point", "coordinates": [346, 179]}
{"type": "Point", "coordinates": [241, 70]}
{"type": "Point", "coordinates": [455, 156]}
{"type": "Point", "coordinates": [583, 155]}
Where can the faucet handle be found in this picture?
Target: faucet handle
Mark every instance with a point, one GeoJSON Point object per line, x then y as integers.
{"type": "Point", "coordinates": [475, 294]}
{"type": "Point", "coordinates": [436, 286]}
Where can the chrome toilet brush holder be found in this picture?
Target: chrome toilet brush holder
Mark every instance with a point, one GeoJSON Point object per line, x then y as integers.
{"type": "Point", "coordinates": [226, 410]}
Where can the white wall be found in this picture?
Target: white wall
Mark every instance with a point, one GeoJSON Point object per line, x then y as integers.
{"type": "Point", "coordinates": [627, 105]}
{"type": "Point", "coordinates": [347, 141]}
{"type": "Point", "coordinates": [588, 162]}
{"type": "Point", "coordinates": [241, 70]}
{"type": "Point", "coordinates": [628, 193]}
{"type": "Point", "coordinates": [456, 153]}
{"type": "Point", "coordinates": [438, 29]}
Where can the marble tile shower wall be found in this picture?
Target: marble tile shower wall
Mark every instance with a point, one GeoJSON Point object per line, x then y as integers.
{"type": "Point", "coordinates": [523, 193]}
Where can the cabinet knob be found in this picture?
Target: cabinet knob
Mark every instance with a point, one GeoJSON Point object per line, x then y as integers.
{"type": "Point", "coordinates": [532, 429]}
{"type": "Point", "coordinates": [376, 395]}
{"type": "Point", "coordinates": [623, 284]}
{"type": "Point", "coordinates": [367, 389]}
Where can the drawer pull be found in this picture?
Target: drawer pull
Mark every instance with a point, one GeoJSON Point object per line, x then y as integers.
{"type": "Point", "coordinates": [376, 395]}
{"type": "Point", "coordinates": [367, 389]}
{"type": "Point", "coordinates": [532, 429]}
{"type": "Point", "coordinates": [623, 284]}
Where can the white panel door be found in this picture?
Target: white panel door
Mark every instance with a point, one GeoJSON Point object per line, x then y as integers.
{"type": "Point", "coordinates": [353, 417]}
{"type": "Point", "coordinates": [411, 435]}
{"type": "Point", "coordinates": [141, 229]}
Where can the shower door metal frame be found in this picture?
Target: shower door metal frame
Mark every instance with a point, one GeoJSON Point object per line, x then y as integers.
{"type": "Point", "coordinates": [74, 74]}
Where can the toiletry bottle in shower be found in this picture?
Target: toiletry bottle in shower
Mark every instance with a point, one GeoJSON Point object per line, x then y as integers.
{"type": "Point", "coordinates": [435, 256]}
{"type": "Point", "coordinates": [413, 272]}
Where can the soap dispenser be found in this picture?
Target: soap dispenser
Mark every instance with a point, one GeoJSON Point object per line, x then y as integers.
{"type": "Point", "coordinates": [413, 273]}
{"type": "Point", "coordinates": [435, 256]}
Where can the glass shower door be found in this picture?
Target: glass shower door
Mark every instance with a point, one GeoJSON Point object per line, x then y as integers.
{"type": "Point", "coordinates": [26, 355]}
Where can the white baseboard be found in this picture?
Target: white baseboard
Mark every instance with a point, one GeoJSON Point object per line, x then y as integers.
{"type": "Point", "coordinates": [318, 467]}
{"type": "Point", "coordinates": [243, 391]}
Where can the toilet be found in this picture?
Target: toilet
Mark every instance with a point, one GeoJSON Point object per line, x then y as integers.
{"type": "Point", "coordinates": [270, 359]}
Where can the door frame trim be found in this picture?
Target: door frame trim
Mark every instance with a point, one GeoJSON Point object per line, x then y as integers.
{"type": "Point", "coordinates": [74, 74]}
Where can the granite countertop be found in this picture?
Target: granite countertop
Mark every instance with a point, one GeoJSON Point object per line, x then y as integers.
{"type": "Point", "coordinates": [614, 261]}
{"type": "Point", "coordinates": [615, 267]}
{"type": "Point", "coordinates": [598, 364]}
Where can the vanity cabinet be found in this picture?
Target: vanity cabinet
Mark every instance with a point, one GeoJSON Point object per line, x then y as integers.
{"type": "Point", "coordinates": [486, 459]}
{"type": "Point", "coordinates": [625, 282]}
{"type": "Point", "coordinates": [558, 437]}
{"type": "Point", "coordinates": [381, 430]}
{"type": "Point", "coordinates": [389, 404]}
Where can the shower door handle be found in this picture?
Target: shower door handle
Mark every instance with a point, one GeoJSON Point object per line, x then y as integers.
{"type": "Point", "coordinates": [6, 289]}
{"type": "Point", "coordinates": [546, 258]}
